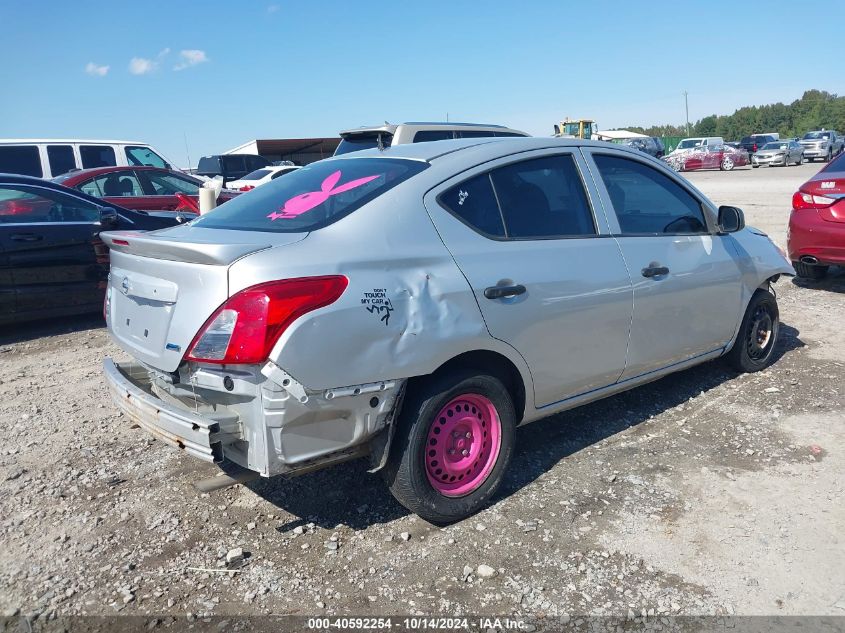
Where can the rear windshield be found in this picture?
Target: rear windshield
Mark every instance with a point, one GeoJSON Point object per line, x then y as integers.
{"type": "Point", "coordinates": [357, 142]}
{"type": "Point", "coordinates": [258, 174]}
{"type": "Point", "coordinates": [313, 197]}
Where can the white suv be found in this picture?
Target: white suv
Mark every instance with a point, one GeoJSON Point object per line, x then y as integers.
{"type": "Point", "coordinates": [415, 132]}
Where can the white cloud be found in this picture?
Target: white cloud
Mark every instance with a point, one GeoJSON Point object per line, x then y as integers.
{"type": "Point", "coordinates": [97, 71]}
{"type": "Point", "coordinates": [273, 8]}
{"type": "Point", "coordinates": [190, 58]}
{"type": "Point", "coordinates": [141, 66]}
{"type": "Point", "coordinates": [144, 66]}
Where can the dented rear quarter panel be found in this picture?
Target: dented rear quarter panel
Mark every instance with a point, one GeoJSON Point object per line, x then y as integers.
{"type": "Point", "coordinates": [407, 310]}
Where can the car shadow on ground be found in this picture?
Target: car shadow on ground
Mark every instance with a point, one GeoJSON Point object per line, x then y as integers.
{"type": "Point", "coordinates": [346, 494]}
{"type": "Point", "coordinates": [30, 330]}
{"type": "Point", "coordinates": [834, 281]}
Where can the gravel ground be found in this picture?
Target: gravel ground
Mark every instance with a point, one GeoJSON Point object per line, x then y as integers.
{"type": "Point", "coordinates": [704, 493]}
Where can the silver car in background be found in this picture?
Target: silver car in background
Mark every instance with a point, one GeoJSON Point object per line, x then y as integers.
{"type": "Point", "coordinates": [824, 144]}
{"type": "Point", "coordinates": [778, 153]}
{"type": "Point", "coordinates": [416, 304]}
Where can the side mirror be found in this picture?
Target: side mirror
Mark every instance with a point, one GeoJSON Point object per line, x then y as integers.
{"type": "Point", "coordinates": [108, 216]}
{"type": "Point", "coordinates": [731, 220]}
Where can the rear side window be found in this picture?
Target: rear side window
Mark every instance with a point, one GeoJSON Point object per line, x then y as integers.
{"type": "Point", "coordinates": [532, 199]}
{"type": "Point", "coordinates": [312, 197]}
{"type": "Point", "coordinates": [433, 135]}
{"type": "Point", "coordinates": [20, 159]}
{"type": "Point", "coordinates": [474, 203]}
{"type": "Point", "coordinates": [647, 201]}
{"type": "Point", "coordinates": [96, 156]}
{"type": "Point", "coordinates": [475, 134]}
{"type": "Point", "coordinates": [117, 184]}
{"type": "Point", "coordinates": [542, 198]}
{"type": "Point", "coordinates": [61, 159]}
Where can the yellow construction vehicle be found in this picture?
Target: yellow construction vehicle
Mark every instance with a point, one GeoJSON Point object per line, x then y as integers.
{"type": "Point", "coordinates": [577, 128]}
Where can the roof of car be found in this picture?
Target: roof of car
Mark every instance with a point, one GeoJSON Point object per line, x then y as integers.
{"type": "Point", "coordinates": [391, 127]}
{"type": "Point", "coordinates": [4, 141]}
{"type": "Point", "coordinates": [434, 150]}
{"type": "Point", "coordinates": [96, 171]}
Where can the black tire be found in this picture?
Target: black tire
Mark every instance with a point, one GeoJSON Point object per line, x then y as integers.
{"type": "Point", "coordinates": [810, 271]}
{"type": "Point", "coordinates": [754, 166]}
{"type": "Point", "coordinates": [405, 472]}
{"type": "Point", "coordinates": [800, 160]}
{"type": "Point", "coordinates": [829, 156]}
{"type": "Point", "coordinates": [758, 334]}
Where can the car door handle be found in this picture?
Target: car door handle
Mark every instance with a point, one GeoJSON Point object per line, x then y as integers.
{"type": "Point", "coordinates": [655, 271]}
{"type": "Point", "coordinates": [502, 292]}
{"type": "Point", "coordinates": [26, 237]}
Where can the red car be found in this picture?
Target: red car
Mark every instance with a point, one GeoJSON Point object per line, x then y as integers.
{"type": "Point", "coordinates": [816, 238]}
{"type": "Point", "coordinates": [722, 157]}
{"type": "Point", "coordinates": [141, 188]}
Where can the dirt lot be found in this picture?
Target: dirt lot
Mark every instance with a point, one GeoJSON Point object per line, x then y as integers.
{"type": "Point", "coordinates": [703, 493]}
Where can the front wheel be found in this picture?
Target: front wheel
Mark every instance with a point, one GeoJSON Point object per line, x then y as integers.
{"type": "Point", "coordinates": [453, 445]}
{"type": "Point", "coordinates": [800, 160]}
{"type": "Point", "coordinates": [758, 334]}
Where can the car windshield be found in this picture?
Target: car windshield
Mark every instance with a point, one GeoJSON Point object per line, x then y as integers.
{"type": "Point", "coordinates": [776, 146]}
{"type": "Point", "coordinates": [258, 174]}
{"type": "Point", "coordinates": [809, 136]}
{"type": "Point", "coordinates": [313, 197]}
{"type": "Point", "coordinates": [687, 143]}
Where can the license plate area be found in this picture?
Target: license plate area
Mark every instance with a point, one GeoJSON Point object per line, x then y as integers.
{"type": "Point", "coordinates": [141, 323]}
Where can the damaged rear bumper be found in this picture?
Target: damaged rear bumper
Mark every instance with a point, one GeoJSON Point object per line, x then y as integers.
{"type": "Point", "coordinates": [258, 417]}
{"type": "Point", "coordinates": [130, 388]}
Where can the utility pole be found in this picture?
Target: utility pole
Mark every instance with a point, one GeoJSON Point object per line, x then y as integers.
{"type": "Point", "coordinates": [686, 106]}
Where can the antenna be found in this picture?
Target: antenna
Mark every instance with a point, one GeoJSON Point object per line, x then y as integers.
{"type": "Point", "coordinates": [187, 152]}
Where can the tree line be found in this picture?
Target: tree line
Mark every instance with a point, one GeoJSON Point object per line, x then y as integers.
{"type": "Point", "coordinates": [816, 109]}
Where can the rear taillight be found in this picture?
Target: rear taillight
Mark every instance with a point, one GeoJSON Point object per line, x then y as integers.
{"type": "Point", "coordinates": [754, 147]}
{"type": "Point", "coordinates": [246, 327]}
{"type": "Point", "coordinates": [247, 188]}
{"type": "Point", "coordinates": [802, 200]}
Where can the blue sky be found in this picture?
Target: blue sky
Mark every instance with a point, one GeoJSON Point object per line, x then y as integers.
{"type": "Point", "coordinates": [222, 73]}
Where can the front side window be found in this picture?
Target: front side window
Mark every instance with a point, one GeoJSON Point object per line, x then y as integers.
{"type": "Point", "coordinates": [20, 159]}
{"type": "Point", "coordinates": [163, 184]}
{"type": "Point", "coordinates": [542, 198]}
{"type": "Point", "coordinates": [646, 201]}
{"type": "Point", "coordinates": [61, 159]}
{"type": "Point", "coordinates": [117, 184]}
{"type": "Point", "coordinates": [23, 204]}
{"type": "Point", "coordinates": [96, 156]}
{"type": "Point", "coordinates": [312, 197]}
{"type": "Point", "coordinates": [144, 157]}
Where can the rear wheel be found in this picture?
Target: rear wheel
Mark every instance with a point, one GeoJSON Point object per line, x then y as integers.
{"type": "Point", "coordinates": [453, 445]}
{"type": "Point", "coordinates": [758, 334]}
{"type": "Point", "coordinates": [727, 164]}
{"type": "Point", "coordinates": [829, 156]}
{"type": "Point", "coordinates": [810, 271]}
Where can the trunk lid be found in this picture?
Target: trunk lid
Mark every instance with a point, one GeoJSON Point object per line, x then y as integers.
{"type": "Point", "coordinates": [164, 285]}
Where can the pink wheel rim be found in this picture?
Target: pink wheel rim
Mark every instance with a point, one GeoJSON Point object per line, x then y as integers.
{"type": "Point", "coordinates": [463, 445]}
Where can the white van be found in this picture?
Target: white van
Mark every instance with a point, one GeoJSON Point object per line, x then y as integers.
{"type": "Point", "coordinates": [48, 158]}
{"type": "Point", "coordinates": [688, 144]}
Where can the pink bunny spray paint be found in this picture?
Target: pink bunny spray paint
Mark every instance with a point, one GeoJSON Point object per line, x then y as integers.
{"type": "Point", "coordinates": [306, 201]}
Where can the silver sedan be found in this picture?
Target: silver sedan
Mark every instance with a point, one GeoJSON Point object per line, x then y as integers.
{"type": "Point", "coordinates": [415, 305]}
{"type": "Point", "coordinates": [778, 153]}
